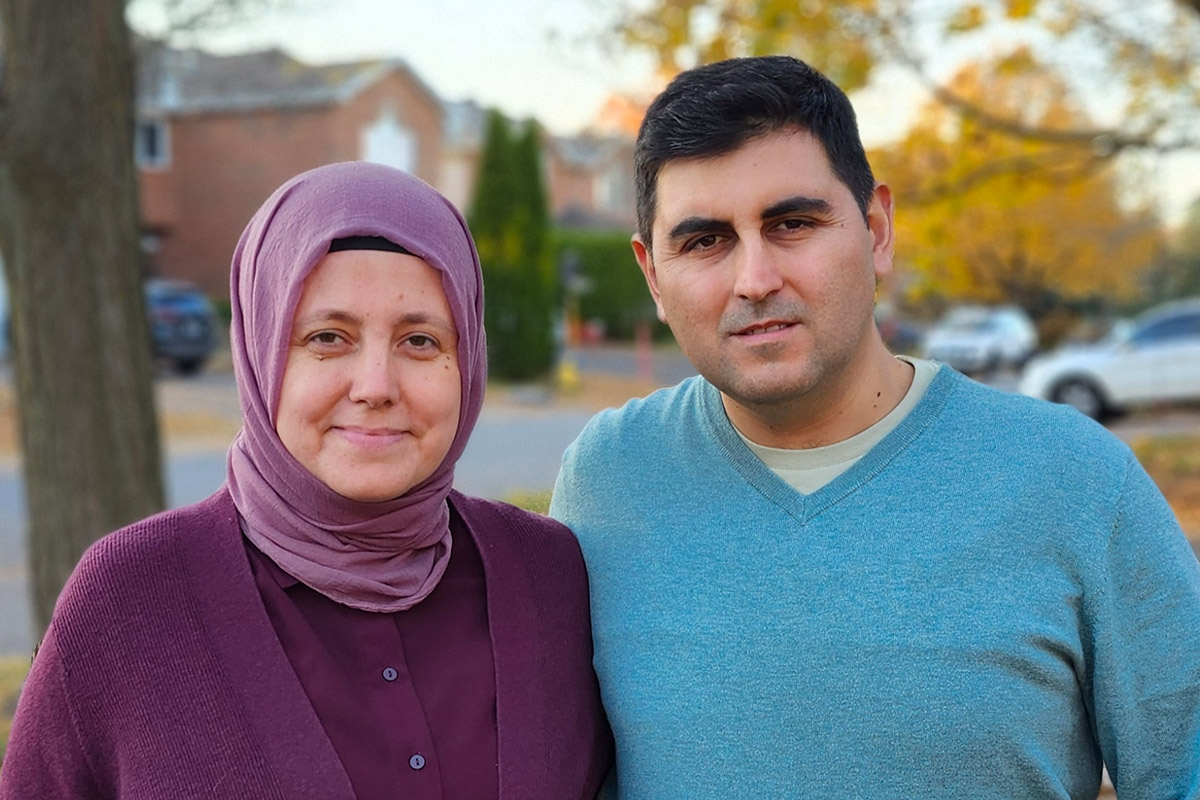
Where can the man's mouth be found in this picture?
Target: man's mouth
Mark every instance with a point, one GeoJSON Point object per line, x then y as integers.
{"type": "Point", "coordinates": [763, 327]}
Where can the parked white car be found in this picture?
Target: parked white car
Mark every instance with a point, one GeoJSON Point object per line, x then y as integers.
{"type": "Point", "coordinates": [982, 338]}
{"type": "Point", "coordinates": [1154, 360]}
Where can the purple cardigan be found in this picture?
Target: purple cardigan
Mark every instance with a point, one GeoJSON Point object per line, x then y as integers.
{"type": "Point", "coordinates": [161, 676]}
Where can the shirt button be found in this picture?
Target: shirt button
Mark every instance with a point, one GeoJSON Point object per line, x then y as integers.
{"type": "Point", "coordinates": [389, 674]}
{"type": "Point", "coordinates": [417, 761]}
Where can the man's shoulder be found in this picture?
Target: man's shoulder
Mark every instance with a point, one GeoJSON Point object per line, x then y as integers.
{"type": "Point", "coordinates": [658, 414]}
{"type": "Point", "coordinates": [1004, 422]}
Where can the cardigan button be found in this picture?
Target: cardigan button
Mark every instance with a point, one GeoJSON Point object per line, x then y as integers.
{"type": "Point", "coordinates": [390, 674]}
{"type": "Point", "coordinates": [417, 761]}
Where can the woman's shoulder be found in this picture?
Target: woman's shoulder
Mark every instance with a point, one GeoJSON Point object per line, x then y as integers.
{"type": "Point", "coordinates": [493, 521]}
{"type": "Point", "coordinates": [475, 510]}
{"type": "Point", "coordinates": [134, 564]}
{"type": "Point", "coordinates": [147, 542]}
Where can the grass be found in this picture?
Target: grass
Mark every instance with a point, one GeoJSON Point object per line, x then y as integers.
{"type": "Point", "coordinates": [538, 502]}
{"type": "Point", "coordinates": [12, 673]}
{"type": "Point", "coordinates": [1174, 464]}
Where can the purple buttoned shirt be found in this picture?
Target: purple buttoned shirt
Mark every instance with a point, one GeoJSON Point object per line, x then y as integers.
{"type": "Point", "coordinates": [407, 699]}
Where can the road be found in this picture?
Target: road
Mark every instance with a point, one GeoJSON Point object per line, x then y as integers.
{"type": "Point", "coordinates": [516, 446]}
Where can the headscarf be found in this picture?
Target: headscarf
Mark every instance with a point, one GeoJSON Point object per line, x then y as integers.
{"type": "Point", "coordinates": [384, 556]}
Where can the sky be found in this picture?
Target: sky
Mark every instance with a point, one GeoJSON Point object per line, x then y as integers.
{"type": "Point", "coordinates": [540, 58]}
{"type": "Point", "coordinates": [528, 57]}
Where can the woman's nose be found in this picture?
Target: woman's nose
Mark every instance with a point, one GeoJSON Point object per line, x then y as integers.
{"type": "Point", "coordinates": [376, 379]}
{"type": "Point", "coordinates": [756, 274]}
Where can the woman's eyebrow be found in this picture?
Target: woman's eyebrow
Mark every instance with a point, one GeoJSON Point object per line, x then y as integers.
{"type": "Point", "coordinates": [423, 318]}
{"type": "Point", "coordinates": [339, 315]}
{"type": "Point", "coordinates": [326, 315]}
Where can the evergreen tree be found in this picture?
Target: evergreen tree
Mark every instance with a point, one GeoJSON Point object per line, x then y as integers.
{"type": "Point", "coordinates": [538, 301]}
{"type": "Point", "coordinates": [510, 222]}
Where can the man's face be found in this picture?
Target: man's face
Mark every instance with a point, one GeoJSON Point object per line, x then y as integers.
{"type": "Point", "coordinates": [764, 268]}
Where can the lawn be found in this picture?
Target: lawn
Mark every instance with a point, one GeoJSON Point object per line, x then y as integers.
{"type": "Point", "coordinates": [12, 673]}
{"type": "Point", "coordinates": [1174, 464]}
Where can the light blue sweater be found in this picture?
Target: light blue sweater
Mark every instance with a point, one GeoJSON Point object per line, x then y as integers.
{"type": "Point", "coordinates": [988, 603]}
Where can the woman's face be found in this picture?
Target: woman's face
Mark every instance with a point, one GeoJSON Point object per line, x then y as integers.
{"type": "Point", "coordinates": [371, 389]}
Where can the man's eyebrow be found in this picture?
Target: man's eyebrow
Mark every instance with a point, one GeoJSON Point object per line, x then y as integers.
{"type": "Point", "coordinates": [690, 225]}
{"type": "Point", "coordinates": [797, 204]}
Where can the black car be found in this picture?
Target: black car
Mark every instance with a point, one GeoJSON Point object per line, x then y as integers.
{"type": "Point", "coordinates": [183, 323]}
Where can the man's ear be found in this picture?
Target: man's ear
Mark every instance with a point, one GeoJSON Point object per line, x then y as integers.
{"type": "Point", "coordinates": [880, 223]}
{"type": "Point", "coordinates": [646, 261]}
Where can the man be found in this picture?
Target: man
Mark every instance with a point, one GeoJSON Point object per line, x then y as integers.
{"type": "Point", "coordinates": [818, 570]}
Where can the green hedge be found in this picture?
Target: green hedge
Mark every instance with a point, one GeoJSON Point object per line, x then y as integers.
{"type": "Point", "coordinates": [617, 295]}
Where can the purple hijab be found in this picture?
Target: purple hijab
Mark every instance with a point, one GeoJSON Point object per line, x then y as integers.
{"type": "Point", "coordinates": [384, 556]}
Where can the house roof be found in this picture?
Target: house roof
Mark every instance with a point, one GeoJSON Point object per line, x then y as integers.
{"type": "Point", "coordinates": [464, 124]}
{"type": "Point", "coordinates": [182, 81]}
{"type": "Point", "coordinates": [589, 151]}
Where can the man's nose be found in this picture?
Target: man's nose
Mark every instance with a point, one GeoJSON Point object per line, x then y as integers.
{"type": "Point", "coordinates": [756, 271]}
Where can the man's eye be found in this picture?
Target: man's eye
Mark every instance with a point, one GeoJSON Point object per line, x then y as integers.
{"type": "Point", "coordinates": [793, 224]}
{"type": "Point", "coordinates": [703, 242]}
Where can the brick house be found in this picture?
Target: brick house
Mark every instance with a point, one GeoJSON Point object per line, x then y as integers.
{"type": "Point", "coordinates": [590, 181]}
{"type": "Point", "coordinates": [217, 134]}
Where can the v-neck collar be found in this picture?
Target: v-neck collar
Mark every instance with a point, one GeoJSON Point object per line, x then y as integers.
{"type": "Point", "coordinates": [803, 507]}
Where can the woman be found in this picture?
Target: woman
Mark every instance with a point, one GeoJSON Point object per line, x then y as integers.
{"type": "Point", "coordinates": [336, 622]}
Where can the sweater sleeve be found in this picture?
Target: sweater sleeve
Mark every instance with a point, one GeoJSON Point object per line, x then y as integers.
{"type": "Point", "coordinates": [1143, 616]}
{"type": "Point", "coordinates": [45, 758]}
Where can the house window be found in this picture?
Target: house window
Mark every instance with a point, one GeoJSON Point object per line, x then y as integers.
{"type": "Point", "coordinates": [386, 141]}
{"type": "Point", "coordinates": [152, 144]}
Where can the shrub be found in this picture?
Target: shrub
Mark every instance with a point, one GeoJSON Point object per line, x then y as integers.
{"type": "Point", "coordinates": [616, 295]}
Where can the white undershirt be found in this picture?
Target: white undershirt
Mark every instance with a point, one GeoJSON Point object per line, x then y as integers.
{"type": "Point", "coordinates": [809, 469]}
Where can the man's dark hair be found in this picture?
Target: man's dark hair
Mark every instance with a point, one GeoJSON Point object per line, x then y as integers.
{"type": "Point", "coordinates": [715, 109]}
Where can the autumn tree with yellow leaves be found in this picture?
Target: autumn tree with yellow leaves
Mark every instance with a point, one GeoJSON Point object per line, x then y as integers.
{"type": "Point", "coordinates": [987, 217]}
{"type": "Point", "coordinates": [1145, 54]}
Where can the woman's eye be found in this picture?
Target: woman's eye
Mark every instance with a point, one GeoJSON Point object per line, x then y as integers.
{"type": "Point", "coordinates": [326, 342]}
{"type": "Point", "coordinates": [421, 341]}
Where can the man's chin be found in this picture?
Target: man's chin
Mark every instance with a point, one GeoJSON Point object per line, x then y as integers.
{"type": "Point", "coordinates": [766, 391]}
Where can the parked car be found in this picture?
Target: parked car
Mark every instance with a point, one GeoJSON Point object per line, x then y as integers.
{"type": "Point", "coordinates": [183, 323]}
{"type": "Point", "coordinates": [982, 338]}
{"type": "Point", "coordinates": [1156, 359]}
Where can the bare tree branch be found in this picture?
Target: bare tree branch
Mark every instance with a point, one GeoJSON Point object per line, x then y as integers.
{"type": "Point", "coordinates": [897, 31]}
{"type": "Point", "coordinates": [1035, 169]}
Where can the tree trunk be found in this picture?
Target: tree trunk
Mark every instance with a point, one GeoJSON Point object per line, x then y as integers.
{"type": "Point", "coordinates": [69, 232]}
